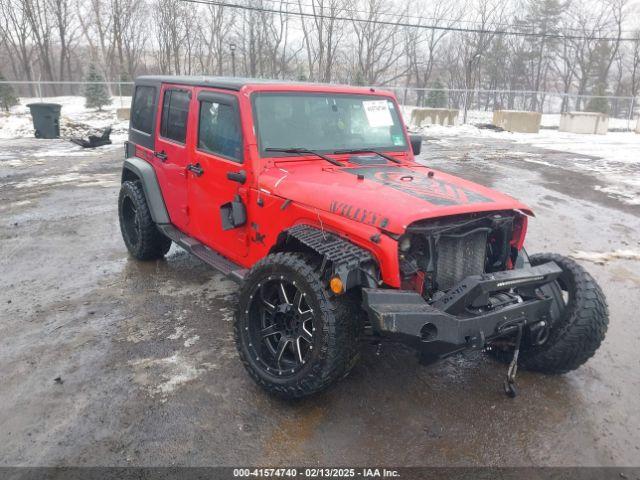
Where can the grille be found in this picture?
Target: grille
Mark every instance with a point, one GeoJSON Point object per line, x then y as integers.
{"type": "Point", "coordinates": [459, 257]}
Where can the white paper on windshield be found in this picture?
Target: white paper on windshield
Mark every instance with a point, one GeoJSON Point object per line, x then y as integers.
{"type": "Point", "coordinates": [378, 114]}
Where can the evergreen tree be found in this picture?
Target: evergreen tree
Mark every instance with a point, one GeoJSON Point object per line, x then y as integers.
{"type": "Point", "coordinates": [359, 78]}
{"type": "Point", "coordinates": [598, 104]}
{"type": "Point", "coordinates": [437, 98]}
{"type": "Point", "coordinates": [545, 17]}
{"type": "Point", "coordinates": [125, 89]}
{"type": "Point", "coordinates": [601, 65]}
{"type": "Point", "coordinates": [7, 96]}
{"type": "Point", "coordinates": [95, 93]}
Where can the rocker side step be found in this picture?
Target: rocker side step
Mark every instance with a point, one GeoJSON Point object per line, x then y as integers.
{"type": "Point", "coordinates": [223, 265]}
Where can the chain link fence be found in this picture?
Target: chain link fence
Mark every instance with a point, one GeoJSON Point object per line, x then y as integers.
{"type": "Point", "coordinates": [477, 106]}
{"type": "Point", "coordinates": [45, 91]}
{"type": "Point", "coordinates": [474, 106]}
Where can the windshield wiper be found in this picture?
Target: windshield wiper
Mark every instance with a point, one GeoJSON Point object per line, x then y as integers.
{"type": "Point", "coordinates": [369, 150]}
{"type": "Point", "coordinates": [304, 150]}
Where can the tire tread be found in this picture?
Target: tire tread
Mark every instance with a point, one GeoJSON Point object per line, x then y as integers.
{"type": "Point", "coordinates": [338, 351]}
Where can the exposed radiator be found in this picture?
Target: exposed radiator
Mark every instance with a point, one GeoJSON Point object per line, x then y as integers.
{"type": "Point", "coordinates": [459, 257]}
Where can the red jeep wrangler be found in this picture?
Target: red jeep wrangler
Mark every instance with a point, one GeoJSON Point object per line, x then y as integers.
{"type": "Point", "coordinates": [309, 196]}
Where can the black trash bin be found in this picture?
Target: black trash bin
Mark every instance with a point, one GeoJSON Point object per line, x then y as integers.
{"type": "Point", "coordinates": [46, 119]}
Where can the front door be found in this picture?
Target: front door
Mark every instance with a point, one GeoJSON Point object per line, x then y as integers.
{"type": "Point", "coordinates": [171, 151]}
{"type": "Point", "coordinates": [217, 152]}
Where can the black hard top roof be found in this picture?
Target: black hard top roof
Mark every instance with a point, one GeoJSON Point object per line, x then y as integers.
{"type": "Point", "coordinates": [236, 83]}
{"type": "Point", "coordinates": [227, 83]}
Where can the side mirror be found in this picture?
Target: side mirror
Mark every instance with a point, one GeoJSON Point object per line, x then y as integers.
{"type": "Point", "coordinates": [416, 143]}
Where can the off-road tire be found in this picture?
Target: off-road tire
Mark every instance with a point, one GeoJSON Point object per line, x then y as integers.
{"type": "Point", "coordinates": [337, 329]}
{"type": "Point", "coordinates": [578, 330]}
{"type": "Point", "coordinates": [139, 232]}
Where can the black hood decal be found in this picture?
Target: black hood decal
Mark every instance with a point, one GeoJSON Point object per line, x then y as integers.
{"type": "Point", "coordinates": [429, 189]}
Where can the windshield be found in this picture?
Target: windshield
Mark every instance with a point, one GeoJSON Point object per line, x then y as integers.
{"type": "Point", "coordinates": [326, 122]}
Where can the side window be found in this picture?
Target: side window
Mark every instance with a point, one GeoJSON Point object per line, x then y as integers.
{"type": "Point", "coordinates": [142, 109]}
{"type": "Point", "coordinates": [219, 130]}
{"type": "Point", "coordinates": [175, 110]}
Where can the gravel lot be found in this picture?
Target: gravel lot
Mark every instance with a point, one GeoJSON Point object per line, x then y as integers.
{"type": "Point", "coordinates": [148, 369]}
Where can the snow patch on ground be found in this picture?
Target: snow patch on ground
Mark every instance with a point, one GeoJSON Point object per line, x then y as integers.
{"type": "Point", "coordinates": [189, 342]}
{"type": "Point", "coordinates": [603, 257]}
{"type": "Point", "coordinates": [179, 332]}
{"type": "Point", "coordinates": [80, 180]}
{"type": "Point", "coordinates": [162, 376]}
{"type": "Point", "coordinates": [75, 119]}
{"type": "Point", "coordinates": [614, 157]}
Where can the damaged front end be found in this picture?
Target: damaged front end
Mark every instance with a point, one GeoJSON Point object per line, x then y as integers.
{"type": "Point", "coordinates": [465, 281]}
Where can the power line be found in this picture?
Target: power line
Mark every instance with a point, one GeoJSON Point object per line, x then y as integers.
{"type": "Point", "coordinates": [406, 24]}
{"type": "Point", "coordinates": [417, 17]}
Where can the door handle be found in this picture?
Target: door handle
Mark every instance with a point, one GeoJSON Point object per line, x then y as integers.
{"type": "Point", "coordinates": [196, 169]}
{"type": "Point", "coordinates": [240, 176]}
{"type": "Point", "coordinates": [160, 155]}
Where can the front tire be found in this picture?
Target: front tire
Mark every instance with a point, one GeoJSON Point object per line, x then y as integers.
{"type": "Point", "coordinates": [139, 232]}
{"type": "Point", "coordinates": [579, 319]}
{"type": "Point", "coordinates": [293, 336]}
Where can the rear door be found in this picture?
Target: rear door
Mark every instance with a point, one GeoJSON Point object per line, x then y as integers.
{"type": "Point", "coordinates": [218, 150]}
{"type": "Point", "coordinates": [171, 157]}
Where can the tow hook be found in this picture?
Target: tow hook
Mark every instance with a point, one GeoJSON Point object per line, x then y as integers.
{"type": "Point", "coordinates": [510, 383]}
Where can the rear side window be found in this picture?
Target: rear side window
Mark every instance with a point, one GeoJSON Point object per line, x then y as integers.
{"type": "Point", "coordinates": [175, 110]}
{"type": "Point", "coordinates": [142, 109]}
{"type": "Point", "coordinates": [219, 130]}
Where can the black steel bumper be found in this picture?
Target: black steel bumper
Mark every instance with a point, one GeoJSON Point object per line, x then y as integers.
{"type": "Point", "coordinates": [408, 317]}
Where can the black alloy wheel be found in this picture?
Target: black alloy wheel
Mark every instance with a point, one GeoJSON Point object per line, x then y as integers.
{"type": "Point", "coordinates": [281, 326]}
{"type": "Point", "coordinates": [294, 336]}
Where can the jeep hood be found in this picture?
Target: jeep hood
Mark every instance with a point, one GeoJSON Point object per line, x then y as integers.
{"type": "Point", "coordinates": [389, 197]}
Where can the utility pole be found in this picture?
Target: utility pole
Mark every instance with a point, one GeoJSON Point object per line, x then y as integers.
{"type": "Point", "coordinates": [232, 47]}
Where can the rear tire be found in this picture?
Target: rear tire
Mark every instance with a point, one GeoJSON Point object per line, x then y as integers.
{"type": "Point", "coordinates": [139, 232]}
{"type": "Point", "coordinates": [578, 325]}
{"type": "Point", "coordinates": [294, 337]}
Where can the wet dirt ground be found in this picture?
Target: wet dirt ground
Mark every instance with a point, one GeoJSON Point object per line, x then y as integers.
{"type": "Point", "coordinates": [148, 373]}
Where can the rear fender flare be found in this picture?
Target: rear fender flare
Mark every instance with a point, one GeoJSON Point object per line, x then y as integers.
{"type": "Point", "coordinates": [144, 172]}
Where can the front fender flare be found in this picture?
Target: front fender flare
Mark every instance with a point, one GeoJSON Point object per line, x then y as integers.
{"type": "Point", "coordinates": [353, 264]}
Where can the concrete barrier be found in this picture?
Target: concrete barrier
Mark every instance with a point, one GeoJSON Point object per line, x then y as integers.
{"type": "Point", "coordinates": [433, 116]}
{"type": "Point", "coordinates": [584, 122]}
{"type": "Point", "coordinates": [517, 120]}
{"type": "Point", "coordinates": [123, 113]}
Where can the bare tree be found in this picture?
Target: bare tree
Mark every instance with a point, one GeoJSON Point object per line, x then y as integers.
{"type": "Point", "coordinates": [173, 21]}
{"type": "Point", "coordinates": [563, 65]}
{"type": "Point", "coordinates": [322, 35]}
{"type": "Point", "coordinates": [488, 13]}
{"type": "Point", "coordinates": [592, 58]}
{"type": "Point", "coordinates": [17, 38]}
{"type": "Point", "coordinates": [65, 23]}
{"type": "Point", "coordinates": [422, 45]}
{"type": "Point", "coordinates": [363, 41]}
{"type": "Point", "coordinates": [378, 47]}
{"type": "Point", "coordinates": [635, 66]}
{"type": "Point", "coordinates": [133, 36]}
{"type": "Point", "coordinates": [96, 18]}
{"type": "Point", "coordinates": [215, 31]}
{"type": "Point", "coordinates": [41, 24]}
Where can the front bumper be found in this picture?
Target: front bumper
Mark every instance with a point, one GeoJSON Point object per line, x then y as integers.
{"type": "Point", "coordinates": [408, 317]}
